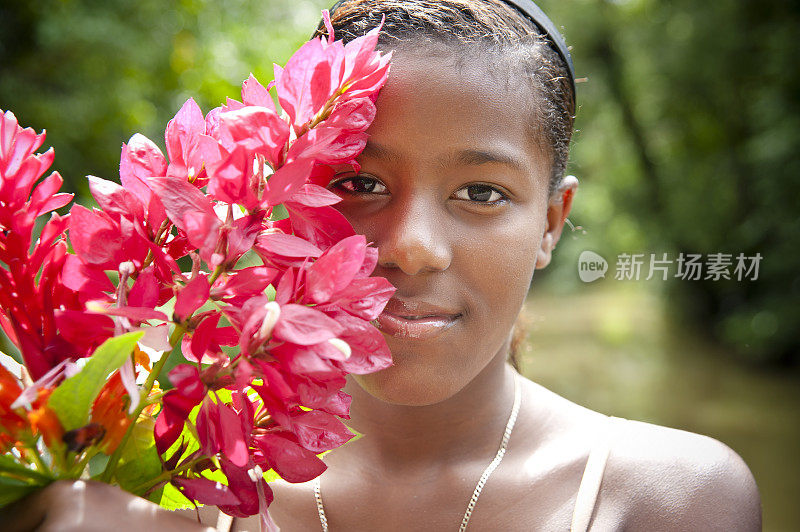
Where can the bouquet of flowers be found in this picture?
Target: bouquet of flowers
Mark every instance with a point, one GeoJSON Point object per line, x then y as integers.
{"type": "Point", "coordinates": [188, 340]}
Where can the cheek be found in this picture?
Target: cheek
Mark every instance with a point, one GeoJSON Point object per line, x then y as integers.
{"type": "Point", "coordinates": [494, 263]}
{"type": "Point", "coordinates": [493, 260]}
{"type": "Point", "coordinates": [500, 260]}
{"type": "Point", "coordinates": [365, 217]}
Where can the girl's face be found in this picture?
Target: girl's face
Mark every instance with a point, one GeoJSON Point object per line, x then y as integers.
{"type": "Point", "coordinates": [453, 191]}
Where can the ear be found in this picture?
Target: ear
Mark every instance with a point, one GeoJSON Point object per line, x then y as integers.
{"type": "Point", "coordinates": [557, 211]}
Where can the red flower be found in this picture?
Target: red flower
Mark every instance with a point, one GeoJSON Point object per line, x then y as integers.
{"type": "Point", "coordinates": [215, 198]}
{"type": "Point", "coordinates": [30, 289]}
{"type": "Point", "coordinates": [12, 421]}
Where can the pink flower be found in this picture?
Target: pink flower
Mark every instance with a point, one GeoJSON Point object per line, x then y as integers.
{"type": "Point", "coordinates": [103, 241]}
{"type": "Point", "coordinates": [191, 297]}
{"type": "Point", "coordinates": [241, 285]}
{"type": "Point", "coordinates": [222, 430]}
{"type": "Point", "coordinates": [140, 160]}
{"type": "Point", "coordinates": [335, 269]}
{"type": "Point", "coordinates": [253, 93]}
{"type": "Point", "coordinates": [176, 404]}
{"type": "Point", "coordinates": [322, 226]}
{"type": "Point", "coordinates": [188, 147]}
{"type": "Point", "coordinates": [292, 461]}
{"type": "Point", "coordinates": [254, 495]}
{"type": "Point", "coordinates": [207, 491]}
{"type": "Point", "coordinates": [190, 211]}
{"type": "Point", "coordinates": [241, 178]}
{"type": "Point", "coordinates": [205, 342]}
{"type": "Point", "coordinates": [282, 250]}
{"type": "Point", "coordinates": [322, 68]}
{"type": "Point", "coordinates": [257, 129]}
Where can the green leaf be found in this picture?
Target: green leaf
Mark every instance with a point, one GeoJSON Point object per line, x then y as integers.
{"type": "Point", "coordinates": [271, 476]}
{"type": "Point", "coordinates": [215, 476]}
{"type": "Point", "coordinates": [270, 293]}
{"type": "Point", "coordinates": [97, 464]}
{"type": "Point", "coordinates": [172, 499]}
{"type": "Point", "coordinates": [224, 395]}
{"type": "Point", "coordinates": [139, 461]}
{"type": "Point", "coordinates": [12, 489]}
{"type": "Point", "coordinates": [279, 212]}
{"type": "Point", "coordinates": [10, 467]}
{"type": "Point", "coordinates": [72, 400]}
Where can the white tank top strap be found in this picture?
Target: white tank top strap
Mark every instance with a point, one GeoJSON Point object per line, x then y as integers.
{"type": "Point", "coordinates": [593, 476]}
{"type": "Point", "coordinates": [224, 522]}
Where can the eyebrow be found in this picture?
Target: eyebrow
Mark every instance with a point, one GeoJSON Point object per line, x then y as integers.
{"type": "Point", "coordinates": [379, 151]}
{"type": "Point", "coordinates": [466, 157]}
{"type": "Point", "coordinates": [473, 157]}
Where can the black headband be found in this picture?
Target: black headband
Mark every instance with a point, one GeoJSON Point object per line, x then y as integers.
{"type": "Point", "coordinates": [537, 16]}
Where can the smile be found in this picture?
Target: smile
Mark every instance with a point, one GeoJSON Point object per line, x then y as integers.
{"type": "Point", "coordinates": [414, 327]}
{"type": "Point", "coordinates": [412, 319]}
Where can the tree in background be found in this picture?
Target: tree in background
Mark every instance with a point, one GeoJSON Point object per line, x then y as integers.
{"type": "Point", "coordinates": [688, 127]}
{"type": "Point", "coordinates": [92, 72]}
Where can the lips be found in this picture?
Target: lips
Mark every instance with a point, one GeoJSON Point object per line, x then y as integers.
{"type": "Point", "coordinates": [415, 319]}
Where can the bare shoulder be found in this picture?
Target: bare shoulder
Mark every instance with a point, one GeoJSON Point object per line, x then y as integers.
{"type": "Point", "coordinates": [671, 478]}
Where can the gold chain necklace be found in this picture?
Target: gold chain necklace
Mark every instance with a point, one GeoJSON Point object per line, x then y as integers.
{"type": "Point", "coordinates": [501, 452]}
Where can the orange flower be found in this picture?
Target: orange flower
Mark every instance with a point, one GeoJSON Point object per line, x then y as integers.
{"type": "Point", "coordinates": [141, 358]}
{"type": "Point", "coordinates": [110, 410]}
{"type": "Point", "coordinates": [11, 422]}
{"type": "Point", "coordinates": [152, 410]}
{"type": "Point", "coordinates": [44, 421]}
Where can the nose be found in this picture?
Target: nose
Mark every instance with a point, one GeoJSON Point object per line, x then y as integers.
{"type": "Point", "coordinates": [413, 238]}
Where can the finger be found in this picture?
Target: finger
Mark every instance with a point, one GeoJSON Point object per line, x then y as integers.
{"type": "Point", "coordinates": [25, 514]}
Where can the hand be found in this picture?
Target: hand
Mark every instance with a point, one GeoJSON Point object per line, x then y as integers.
{"type": "Point", "coordinates": [88, 506]}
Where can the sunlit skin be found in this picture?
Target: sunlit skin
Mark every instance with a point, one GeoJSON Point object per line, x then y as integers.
{"type": "Point", "coordinates": [454, 192]}
{"type": "Point", "coordinates": [457, 208]}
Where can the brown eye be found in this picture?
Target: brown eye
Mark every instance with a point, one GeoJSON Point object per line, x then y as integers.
{"type": "Point", "coordinates": [480, 193]}
{"type": "Point", "coordinates": [360, 185]}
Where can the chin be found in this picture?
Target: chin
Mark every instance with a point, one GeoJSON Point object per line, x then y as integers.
{"type": "Point", "coordinates": [403, 384]}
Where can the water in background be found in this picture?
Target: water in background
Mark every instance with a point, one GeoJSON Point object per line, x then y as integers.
{"type": "Point", "coordinates": [613, 350]}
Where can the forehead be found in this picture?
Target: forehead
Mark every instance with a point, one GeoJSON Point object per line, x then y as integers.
{"type": "Point", "coordinates": [438, 102]}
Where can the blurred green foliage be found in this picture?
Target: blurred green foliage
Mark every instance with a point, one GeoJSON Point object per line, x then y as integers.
{"type": "Point", "coordinates": [689, 142]}
{"type": "Point", "coordinates": [688, 130]}
{"type": "Point", "coordinates": [94, 72]}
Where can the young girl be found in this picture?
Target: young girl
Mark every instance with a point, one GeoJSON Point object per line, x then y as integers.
{"type": "Point", "coordinates": [462, 189]}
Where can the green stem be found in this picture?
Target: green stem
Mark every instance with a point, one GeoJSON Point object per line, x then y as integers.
{"type": "Point", "coordinates": [111, 468]}
{"type": "Point", "coordinates": [76, 471]}
{"type": "Point", "coordinates": [37, 460]}
{"type": "Point", "coordinates": [144, 402]}
{"type": "Point", "coordinates": [219, 270]}
{"type": "Point", "coordinates": [154, 398]}
{"type": "Point", "coordinates": [165, 476]}
{"type": "Point", "coordinates": [158, 241]}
